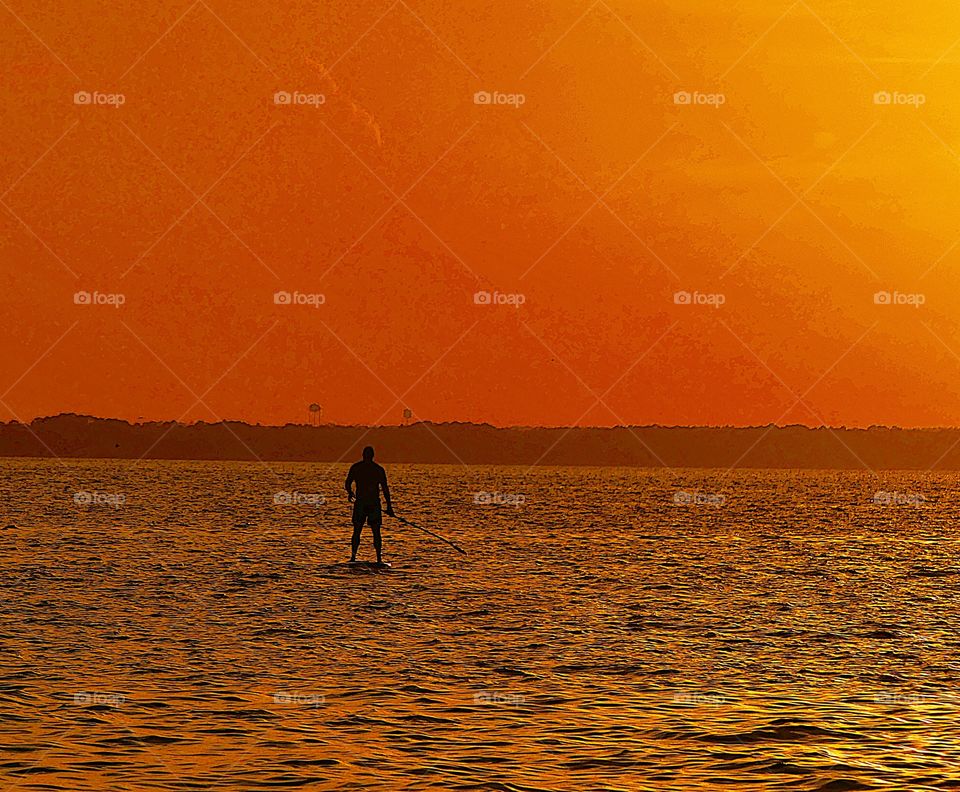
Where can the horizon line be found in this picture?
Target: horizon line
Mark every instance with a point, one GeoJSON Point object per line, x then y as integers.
{"type": "Point", "coordinates": [484, 424]}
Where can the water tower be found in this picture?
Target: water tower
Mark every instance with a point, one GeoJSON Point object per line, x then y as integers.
{"type": "Point", "coordinates": [315, 412]}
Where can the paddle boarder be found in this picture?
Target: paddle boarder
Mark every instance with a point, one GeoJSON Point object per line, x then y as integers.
{"type": "Point", "coordinates": [369, 478]}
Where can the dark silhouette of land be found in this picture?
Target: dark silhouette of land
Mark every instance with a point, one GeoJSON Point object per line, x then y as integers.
{"type": "Point", "coordinates": [481, 444]}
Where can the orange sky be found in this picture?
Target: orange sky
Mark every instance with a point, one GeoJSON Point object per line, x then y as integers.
{"type": "Point", "coordinates": [596, 199]}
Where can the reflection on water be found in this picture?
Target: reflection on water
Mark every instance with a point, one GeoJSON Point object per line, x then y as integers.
{"type": "Point", "coordinates": [193, 626]}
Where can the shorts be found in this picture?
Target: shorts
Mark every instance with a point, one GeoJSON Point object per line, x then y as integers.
{"type": "Point", "coordinates": [367, 511]}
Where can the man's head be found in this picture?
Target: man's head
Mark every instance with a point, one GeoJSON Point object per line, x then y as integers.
{"type": "Point", "coordinates": [368, 454]}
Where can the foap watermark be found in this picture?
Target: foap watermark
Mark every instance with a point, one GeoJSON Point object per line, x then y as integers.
{"type": "Point", "coordinates": [299, 699]}
{"type": "Point", "coordinates": [112, 499]}
{"type": "Point", "coordinates": [714, 299]}
{"type": "Point", "coordinates": [99, 98]}
{"type": "Point", "coordinates": [697, 498]}
{"type": "Point", "coordinates": [498, 697]}
{"type": "Point", "coordinates": [903, 699]}
{"type": "Point", "coordinates": [699, 699]}
{"type": "Point", "coordinates": [299, 98]}
{"type": "Point", "coordinates": [499, 499]}
{"type": "Point", "coordinates": [499, 98]}
{"type": "Point", "coordinates": [884, 498]}
{"type": "Point", "coordinates": [99, 298]}
{"type": "Point", "coordinates": [499, 298]}
{"type": "Point", "coordinates": [298, 298]}
{"type": "Point", "coordinates": [699, 98]}
{"type": "Point", "coordinates": [899, 99]}
{"type": "Point", "coordinates": [95, 698]}
{"type": "Point", "coordinates": [916, 299]}
{"type": "Point", "coordinates": [295, 498]}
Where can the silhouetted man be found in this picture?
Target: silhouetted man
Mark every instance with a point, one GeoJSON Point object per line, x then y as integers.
{"type": "Point", "coordinates": [369, 478]}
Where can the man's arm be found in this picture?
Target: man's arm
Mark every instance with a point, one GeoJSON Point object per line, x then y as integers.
{"type": "Point", "coordinates": [348, 485]}
{"type": "Point", "coordinates": [386, 494]}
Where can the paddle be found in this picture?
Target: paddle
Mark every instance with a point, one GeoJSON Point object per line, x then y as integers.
{"type": "Point", "coordinates": [436, 536]}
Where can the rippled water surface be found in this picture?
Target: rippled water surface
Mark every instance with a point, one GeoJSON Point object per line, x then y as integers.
{"type": "Point", "coordinates": [620, 629]}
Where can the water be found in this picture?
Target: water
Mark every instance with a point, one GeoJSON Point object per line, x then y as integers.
{"type": "Point", "coordinates": [184, 631]}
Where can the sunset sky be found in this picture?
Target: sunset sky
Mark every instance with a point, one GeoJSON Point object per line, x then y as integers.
{"type": "Point", "coordinates": [817, 164]}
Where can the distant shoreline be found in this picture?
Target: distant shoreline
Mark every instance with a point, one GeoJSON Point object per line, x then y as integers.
{"type": "Point", "coordinates": [786, 447]}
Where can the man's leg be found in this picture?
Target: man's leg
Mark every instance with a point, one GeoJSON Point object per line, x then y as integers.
{"type": "Point", "coordinates": [355, 541]}
{"type": "Point", "coordinates": [358, 519]}
{"type": "Point", "coordinates": [377, 542]}
{"type": "Point", "coordinates": [357, 527]}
